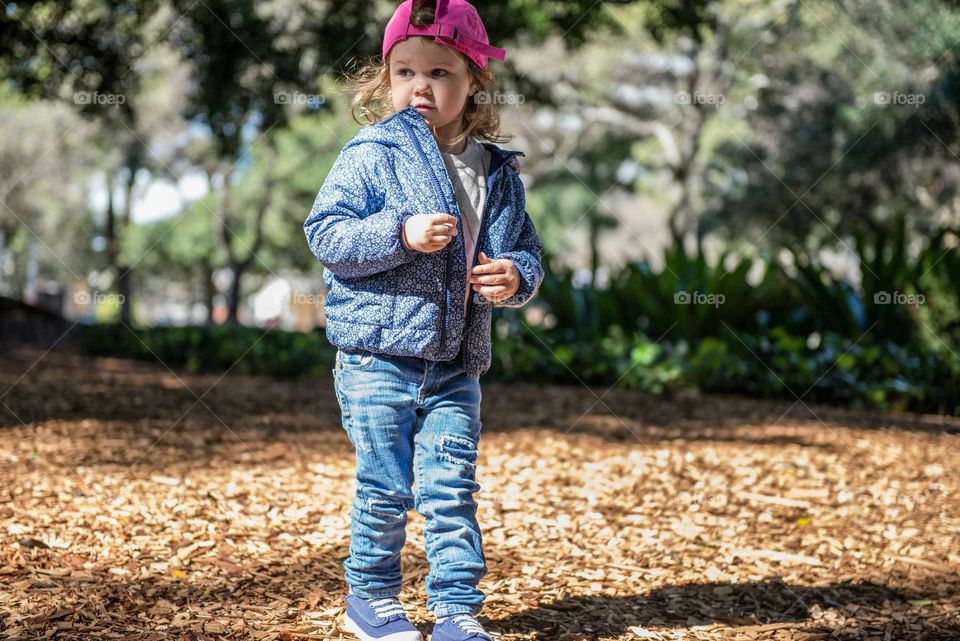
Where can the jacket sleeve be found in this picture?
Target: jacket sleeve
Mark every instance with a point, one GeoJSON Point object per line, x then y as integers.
{"type": "Point", "coordinates": [526, 256]}
{"type": "Point", "coordinates": [347, 230]}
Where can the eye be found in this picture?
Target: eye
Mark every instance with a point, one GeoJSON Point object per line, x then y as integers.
{"type": "Point", "coordinates": [438, 72]}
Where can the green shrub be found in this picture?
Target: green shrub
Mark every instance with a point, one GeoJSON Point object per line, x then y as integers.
{"type": "Point", "coordinates": [216, 348]}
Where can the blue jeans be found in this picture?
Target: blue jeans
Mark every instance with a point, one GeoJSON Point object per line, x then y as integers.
{"type": "Point", "coordinates": [415, 426]}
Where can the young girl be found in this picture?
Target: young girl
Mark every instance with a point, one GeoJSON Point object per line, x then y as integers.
{"type": "Point", "coordinates": [421, 229]}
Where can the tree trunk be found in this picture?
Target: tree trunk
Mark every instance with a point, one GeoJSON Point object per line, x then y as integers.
{"type": "Point", "coordinates": [209, 290]}
{"type": "Point", "coordinates": [3, 258]}
{"type": "Point", "coordinates": [594, 241]}
{"type": "Point", "coordinates": [238, 265]}
{"type": "Point", "coordinates": [110, 226]}
{"type": "Point", "coordinates": [33, 267]}
{"type": "Point", "coordinates": [238, 270]}
{"type": "Point", "coordinates": [124, 285]}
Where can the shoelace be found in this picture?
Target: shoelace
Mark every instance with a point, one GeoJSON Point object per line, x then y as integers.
{"type": "Point", "coordinates": [387, 609]}
{"type": "Point", "coordinates": [468, 624]}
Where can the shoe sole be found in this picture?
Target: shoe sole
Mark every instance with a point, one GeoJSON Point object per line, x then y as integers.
{"type": "Point", "coordinates": [349, 625]}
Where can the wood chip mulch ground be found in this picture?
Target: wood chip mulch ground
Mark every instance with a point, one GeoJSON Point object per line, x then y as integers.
{"type": "Point", "coordinates": [142, 503]}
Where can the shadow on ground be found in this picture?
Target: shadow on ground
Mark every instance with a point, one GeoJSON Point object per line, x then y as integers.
{"type": "Point", "coordinates": [752, 607]}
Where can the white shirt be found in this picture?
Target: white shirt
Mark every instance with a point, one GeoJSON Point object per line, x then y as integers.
{"type": "Point", "coordinates": [468, 173]}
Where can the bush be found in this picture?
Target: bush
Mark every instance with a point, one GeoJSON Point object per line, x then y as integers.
{"type": "Point", "coordinates": [216, 348]}
{"type": "Point", "coordinates": [796, 332]}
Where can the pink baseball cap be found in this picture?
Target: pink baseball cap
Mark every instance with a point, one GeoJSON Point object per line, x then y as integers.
{"type": "Point", "coordinates": [456, 24]}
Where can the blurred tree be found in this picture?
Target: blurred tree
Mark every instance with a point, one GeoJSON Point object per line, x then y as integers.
{"type": "Point", "coordinates": [43, 150]}
{"type": "Point", "coordinates": [249, 63]}
{"type": "Point", "coordinates": [179, 249]}
{"type": "Point", "coordinates": [94, 55]}
{"type": "Point", "coordinates": [857, 124]}
{"type": "Point", "coordinates": [252, 60]}
{"type": "Point", "coordinates": [649, 88]}
{"type": "Point", "coordinates": [676, 93]}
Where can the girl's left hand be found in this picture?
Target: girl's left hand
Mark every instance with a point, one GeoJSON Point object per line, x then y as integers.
{"type": "Point", "coordinates": [497, 280]}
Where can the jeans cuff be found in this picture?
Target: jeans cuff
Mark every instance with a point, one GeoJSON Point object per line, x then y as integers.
{"type": "Point", "coordinates": [381, 593]}
{"type": "Point", "coordinates": [449, 610]}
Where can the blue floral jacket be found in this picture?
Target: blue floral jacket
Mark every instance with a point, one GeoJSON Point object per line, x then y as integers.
{"type": "Point", "coordinates": [388, 299]}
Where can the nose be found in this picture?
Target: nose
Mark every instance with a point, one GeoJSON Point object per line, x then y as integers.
{"type": "Point", "coordinates": [421, 86]}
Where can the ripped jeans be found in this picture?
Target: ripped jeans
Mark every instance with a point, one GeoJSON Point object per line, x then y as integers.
{"type": "Point", "coordinates": [415, 426]}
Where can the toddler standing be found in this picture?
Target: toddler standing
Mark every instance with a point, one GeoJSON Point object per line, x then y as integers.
{"type": "Point", "coordinates": [422, 229]}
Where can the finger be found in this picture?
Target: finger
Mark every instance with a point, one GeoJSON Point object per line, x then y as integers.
{"type": "Point", "coordinates": [496, 267]}
{"type": "Point", "coordinates": [490, 290]}
{"type": "Point", "coordinates": [490, 279]}
{"type": "Point", "coordinates": [444, 219]}
{"type": "Point", "coordinates": [445, 229]}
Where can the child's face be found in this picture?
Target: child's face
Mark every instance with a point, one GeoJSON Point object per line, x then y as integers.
{"type": "Point", "coordinates": [427, 73]}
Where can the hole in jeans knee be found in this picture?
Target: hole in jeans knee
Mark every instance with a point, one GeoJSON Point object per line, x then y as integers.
{"type": "Point", "coordinates": [458, 450]}
{"type": "Point", "coordinates": [394, 510]}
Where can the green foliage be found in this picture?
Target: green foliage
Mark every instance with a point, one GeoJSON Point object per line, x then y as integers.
{"type": "Point", "coordinates": [216, 348]}
{"type": "Point", "coordinates": [691, 298]}
{"type": "Point", "coordinates": [803, 335]}
{"type": "Point", "coordinates": [855, 116]}
{"type": "Point", "coordinates": [939, 275]}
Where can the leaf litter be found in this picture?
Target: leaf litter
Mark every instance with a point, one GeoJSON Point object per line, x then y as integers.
{"type": "Point", "coordinates": [131, 510]}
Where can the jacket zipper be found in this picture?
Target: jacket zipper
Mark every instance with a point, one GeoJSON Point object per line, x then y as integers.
{"type": "Point", "coordinates": [439, 193]}
{"type": "Point", "coordinates": [476, 253]}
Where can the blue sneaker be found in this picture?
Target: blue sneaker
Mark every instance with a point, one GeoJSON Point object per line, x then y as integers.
{"type": "Point", "coordinates": [459, 627]}
{"type": "Point", "coordinates": [378, 620]}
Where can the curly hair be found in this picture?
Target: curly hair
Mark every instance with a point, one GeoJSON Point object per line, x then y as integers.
{"type": "Point", "coordinates": [371, 98]}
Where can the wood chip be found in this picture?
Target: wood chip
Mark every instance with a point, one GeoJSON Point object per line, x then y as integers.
{"type": "Point", "coordinates": [704, 520]}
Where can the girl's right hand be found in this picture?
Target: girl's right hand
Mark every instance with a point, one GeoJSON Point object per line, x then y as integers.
{"type": "Point", "coordinates": [429, 232]}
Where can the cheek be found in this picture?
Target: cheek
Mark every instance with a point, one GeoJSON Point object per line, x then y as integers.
{"type": "Point", "coordinates": [398, 95]}
{"type": "Point", "coordinates": [454, 94]}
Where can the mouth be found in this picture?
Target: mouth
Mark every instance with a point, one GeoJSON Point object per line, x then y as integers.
{"type": "Point", "coordinates": [422, 108]}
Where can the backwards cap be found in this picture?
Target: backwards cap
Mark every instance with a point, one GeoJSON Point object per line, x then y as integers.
{"type": "Point", "coordinates": [456, 24]}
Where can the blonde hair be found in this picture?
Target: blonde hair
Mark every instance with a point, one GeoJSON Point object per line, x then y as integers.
{"type": "Point", "coordinates": [371, 99]}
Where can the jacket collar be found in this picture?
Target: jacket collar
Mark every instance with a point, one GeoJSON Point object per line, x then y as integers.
{"type": "Point", "coordinates": [414, 118]}
{"type": "Point", "coordinates": [396, 131]}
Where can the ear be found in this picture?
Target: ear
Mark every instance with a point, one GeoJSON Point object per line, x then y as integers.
{"type": "Point", "coordinates": [474, 85]}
